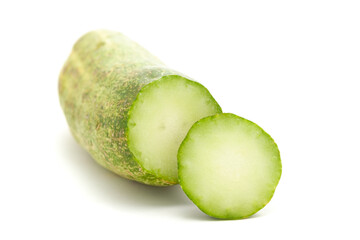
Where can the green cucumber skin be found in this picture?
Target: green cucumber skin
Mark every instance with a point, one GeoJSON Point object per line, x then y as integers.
{"type": "Point", "coordinates": [97, 86]}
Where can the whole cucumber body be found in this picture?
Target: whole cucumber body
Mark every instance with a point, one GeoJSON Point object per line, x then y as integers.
{"type": "Point", "coordinates": [97, 86]}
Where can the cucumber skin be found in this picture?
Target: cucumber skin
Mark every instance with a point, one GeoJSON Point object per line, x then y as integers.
{"type": "Point", "coordinates": [97, 86]}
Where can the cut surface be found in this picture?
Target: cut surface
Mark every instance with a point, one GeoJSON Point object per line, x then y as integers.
{"type": "Point", "coordinates": [228, 166]}
{"type": "Point", "coordinates": [159, 119]}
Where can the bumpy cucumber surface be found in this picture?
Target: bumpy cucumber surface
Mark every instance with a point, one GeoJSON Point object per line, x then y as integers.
{"type": "Point", "coordinates": [228, 166]}
{"type": "Point", "coordinates": [97, 87]}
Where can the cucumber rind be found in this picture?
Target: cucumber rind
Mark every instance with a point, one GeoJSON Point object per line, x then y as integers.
{"type": "Point", "coordinates": [143, 89]}
{"type": "Point", "coordinates": [97, 85]}
{"type": "Point", "coordinates": [188, 192]}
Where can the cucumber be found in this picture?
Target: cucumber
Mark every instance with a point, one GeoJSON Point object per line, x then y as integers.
{"type": "Point", "coordinates": [127, 109]}
{"type": "Point", "coordinates": [228, 166]}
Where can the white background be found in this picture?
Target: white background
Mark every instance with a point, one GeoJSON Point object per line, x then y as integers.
{"type": "Point", "coordinates": [293, 67]}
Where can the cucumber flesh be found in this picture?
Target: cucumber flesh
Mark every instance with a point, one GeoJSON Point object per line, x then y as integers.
{"type": "Point", "coordinates": [159, 119]}
{"type": "Point", "coordinates": [228, 166]}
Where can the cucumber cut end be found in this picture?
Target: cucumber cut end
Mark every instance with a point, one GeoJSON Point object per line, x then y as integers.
{"type": "Point", "coordinates": [228, 166]}
{"type": "Point", "coordinates": [159, 119]}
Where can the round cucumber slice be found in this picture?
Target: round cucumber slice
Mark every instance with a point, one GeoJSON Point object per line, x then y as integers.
{"type": "Point", "coordinates": [228, 166]}
{"type": "Point", "coordinates": [159, 119]}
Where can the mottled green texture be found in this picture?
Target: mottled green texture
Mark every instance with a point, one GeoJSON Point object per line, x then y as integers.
{"type": "Point", "coordinates": [97, 86]}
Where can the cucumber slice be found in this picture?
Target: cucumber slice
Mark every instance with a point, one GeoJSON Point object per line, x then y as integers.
{"type": "Point", "coordinates": [228, 166]}
{"type": "Point", "coordinates": [159, 119]}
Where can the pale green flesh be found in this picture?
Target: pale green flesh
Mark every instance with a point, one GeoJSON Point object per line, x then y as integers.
{"type": "Point", "coordinates": [228, 166]}
{"type": "Point", "coordinates": [159, 119]}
